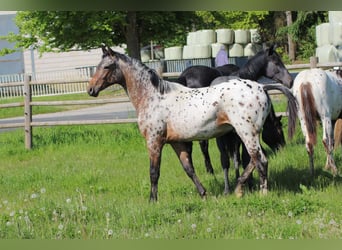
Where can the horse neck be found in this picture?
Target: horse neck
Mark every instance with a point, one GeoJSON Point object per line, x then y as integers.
{"type": "Point", "coordinates": [253, 69]}
{"type": "Point", "coordinates": [137, 85]}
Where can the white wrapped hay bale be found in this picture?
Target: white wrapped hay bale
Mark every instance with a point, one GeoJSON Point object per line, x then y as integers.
{"type": "Point", "coordinates": [225, 36]}
{"type": "Point", "coordinates": [206, 37]}
{"type": "Point", "coordinates": [173, 53]}
{"type": "Point", "coordinates": [188, 51]}
{"type": "Point", "coordinates": [327, 53]}
{"type": "Point", "coordinates": [339, 53]}
{"type": "Point", "coordinates": [215, 47]}
{"type": "Point", "coordinates": [322, 34]}
{"type": "Point", "coordinates": [235, 50]}
{"type": "Point", "coordinates": [335, 34]}
{"type": "Point", "coordinates": [251, 49]}
{"type": "Point", "coordinates": [242, 36]}
{"type": "Point", "coordinates": [191, 38]}
{"type": "Point", "coordinates": [202, 51]}
{"type": "Point", "coordinates": [335, 16]}
{"type": "Point", "coordinates": [255, 36]}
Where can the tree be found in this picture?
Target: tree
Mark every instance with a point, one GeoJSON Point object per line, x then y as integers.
{"type": "Point", "coordinates": [66, 30]}
{"type": "Point", "coordinates": [302, 31]}
{"type": "Point", "coordinates": [291, 44]}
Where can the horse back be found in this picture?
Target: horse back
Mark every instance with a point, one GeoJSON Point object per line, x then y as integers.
{"type": "Point", "coordinates": [198, 76]}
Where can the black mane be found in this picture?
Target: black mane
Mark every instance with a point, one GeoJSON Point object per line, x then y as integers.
{"type": "Point", "coordinates": [249, 70]}
{"type": "Point", "coordinates": [156, 81]}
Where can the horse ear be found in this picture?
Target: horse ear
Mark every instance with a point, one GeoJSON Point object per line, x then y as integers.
{"type": "Point", "coordinates": [104, 51]}
{"type": "Point", "coordinates": [110, 51]}
{"type": "Point", "coordinates": [271, 49]}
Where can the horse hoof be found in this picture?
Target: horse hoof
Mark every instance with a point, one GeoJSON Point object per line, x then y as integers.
{"type": "Point", "coordinates": [263, 191]}
{"type": "Point", "coordinates": [238, 192]}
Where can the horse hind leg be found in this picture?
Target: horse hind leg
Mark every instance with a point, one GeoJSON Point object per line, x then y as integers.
{"type": "Point", "coordinates": [205, 151]}
{"type": "Point", "coordinates": [224, 157]}
{"type": "Point", "coordinates": [184, 153]}
{"type": "Point", "coordinates": [258, 160]}
{"type": "Point", "coordinates": [328, 142]}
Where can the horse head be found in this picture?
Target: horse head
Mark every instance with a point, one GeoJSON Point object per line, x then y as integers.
{"type": "Point", "coordinates": [107, 72]}
{"type": "Point", "coordinates": [275, 68]}
{"type": "Point", "coordinates": [272, 133]}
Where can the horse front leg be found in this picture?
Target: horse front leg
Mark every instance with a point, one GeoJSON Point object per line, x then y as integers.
{"type": "Point", "coordinates": [205, 151]}
{"type": "Point", "coordinates": [184, 153]}
{"type": "Point", "coordinates": [155, 160]}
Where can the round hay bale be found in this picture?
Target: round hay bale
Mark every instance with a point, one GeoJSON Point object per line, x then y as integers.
{"type": "Point", "coordinates": [188, 51]}
{"type": "Point", "coordinates": [191, 38]}
{"type": "Point", "coordinates": [225, 36]}
{"type": "Point", "coordinates": [235, 50]}
{"type": "Point", "coordinates": [202, 51]}
{"type": "Point", "coordinates": [215, 47]}
{"type": "Point", "coordinates": [242, 36]}
{"type": "Point", "coordinates": [336, 34]}
{"type": "Point", "coordinates": [251, 49]}
{"type": "Point", "coordinates": [327, 53]}
{"type": "Point", "coordinates": [206, 37]}
{"type": "Point", "coordinates": [322, 34]}
{"type": "Point", "coordinates": [335, 16]}
{"type": "Point", "coordinates": [173, 53]}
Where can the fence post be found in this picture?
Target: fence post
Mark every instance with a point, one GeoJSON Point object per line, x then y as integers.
{"type": "Point", "coordinates": [313, 62]}
{"type": "Point", "coordinates": [27, 112]}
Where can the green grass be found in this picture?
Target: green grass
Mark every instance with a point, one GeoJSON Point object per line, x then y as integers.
{"type": "Point", "coordinates": [92, 182]}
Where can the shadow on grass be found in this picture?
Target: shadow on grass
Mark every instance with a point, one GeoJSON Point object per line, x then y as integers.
{"type": "Point", "coordinates": [289, 179]}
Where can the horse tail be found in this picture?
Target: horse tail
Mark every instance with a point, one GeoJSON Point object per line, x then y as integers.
{"type": "Point", "coordinates": [291, 105]}
{"type": "Point", "coordinates": [338, 133]}
{"type": "Point", "coordinates": [309, 111]}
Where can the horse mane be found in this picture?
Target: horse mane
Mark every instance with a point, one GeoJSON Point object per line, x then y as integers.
{"type": "Point", "coordinates": [248, 70]}
{"type": "Point", "coordinates": [158, 83]}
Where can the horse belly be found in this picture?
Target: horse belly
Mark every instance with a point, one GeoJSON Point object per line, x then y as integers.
{"type": "Point", "coordinates": [196, 126]}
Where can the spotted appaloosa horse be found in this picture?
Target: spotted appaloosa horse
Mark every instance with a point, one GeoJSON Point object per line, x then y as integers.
{"type": "Point", "coordinates": [168, 112]}
{"type": "Point", "coordinates": [319, 96]}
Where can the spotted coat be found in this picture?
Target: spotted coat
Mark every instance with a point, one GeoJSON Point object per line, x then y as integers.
{"type": "Point", "coordinates": [319, 96]}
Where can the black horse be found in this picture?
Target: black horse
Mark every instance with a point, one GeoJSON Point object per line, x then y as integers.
{"type": "Point", "coordinates": [265, 63]}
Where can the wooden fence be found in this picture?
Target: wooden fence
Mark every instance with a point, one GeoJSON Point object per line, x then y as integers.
{"type": "Point", "coordinates": [29, 88]}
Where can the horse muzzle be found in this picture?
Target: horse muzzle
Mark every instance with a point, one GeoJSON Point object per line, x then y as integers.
{"type": "Point", "coordinates": [92, 91]}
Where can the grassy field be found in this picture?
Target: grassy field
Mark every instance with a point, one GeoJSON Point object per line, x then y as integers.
{"type": "Point", "coordinates": [92, 182]}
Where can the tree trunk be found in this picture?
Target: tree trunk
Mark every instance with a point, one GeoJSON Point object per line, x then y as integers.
{"type": "Point", "coordinates": [132, 35]}
{"type": "Point", "coordinates": [292, 45]}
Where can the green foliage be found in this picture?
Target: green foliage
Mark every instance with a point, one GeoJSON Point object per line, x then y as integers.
{"type": "Point", "coordinates": [302, 31]}
{"type": "Point", "coordinates": [69, 30]}
{"type": "Point", "coordinates": [231, 19]}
